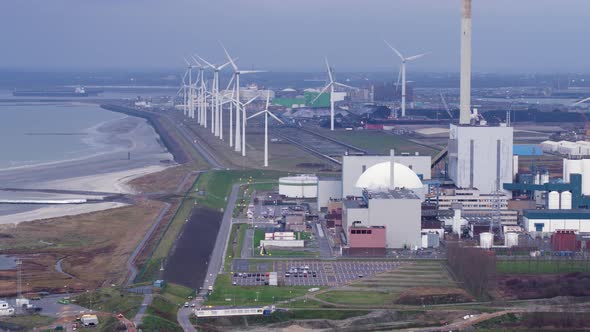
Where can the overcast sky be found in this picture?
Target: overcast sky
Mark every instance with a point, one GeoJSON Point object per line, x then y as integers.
{"type": "Point", "coordinates": [508, 35]}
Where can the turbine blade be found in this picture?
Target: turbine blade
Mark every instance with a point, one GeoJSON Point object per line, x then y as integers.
{"type": "Point", "coordinates": [329, 70]}
{"type": "Point", "coordinates": [345, 86]}
{"type": "Point", "coordinates": [275, 117]}
{"type": "Point", "coordinates": [233, 64]}
{"type": "Point", "coordinates": [196, 61]}
{"type": "Point", "coordinates": [207, 63]}
{"type": "Point", "coordinates": [399, 78]}
{"type": "Point", "coordinates": [321, 93]}
{"type": "Point", "coordinates": [251, 100]}
{"type": "Point", "coordinates": [267, 100]}
{"type": "Point", "coordinates": [230, 82]}
{"type": "Point", "coordinates": [581, 101]}
{"type": "Point", "coordinates": [255, 114]}
{"type": "Point", "coordinates": [395, 50]}
{"type": "Point", "coordinates": [414, 57]}
{"type": "Point", "coordinates": [187, 63]}
{"type": "Point", "coordinates": [252, 71]}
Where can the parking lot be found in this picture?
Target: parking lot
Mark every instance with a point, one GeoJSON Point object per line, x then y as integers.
{"type": "Point", "coordinates": [314, 273]}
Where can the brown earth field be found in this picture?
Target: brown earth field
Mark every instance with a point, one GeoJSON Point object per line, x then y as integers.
{"type": "Point", "coordinates": [93, 247]}
{"type": "Point", "coordinates": [433, 295]}
{"type": "Point", "coordinates": [166, 180]}
{"type": "Point", "coordinates": [543, 286]}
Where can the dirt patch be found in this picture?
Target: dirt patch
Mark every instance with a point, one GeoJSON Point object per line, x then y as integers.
{"type": "Point", "coordinates": [187, 264]}
{"type": "Point", "coordinates": [165, 181]}
{"type": "Point", "coordinates": [433, 295]}
{"type": "Point", "coordinates": [94, 247]}
{"type": "Point", "coordinates": [543, 286]}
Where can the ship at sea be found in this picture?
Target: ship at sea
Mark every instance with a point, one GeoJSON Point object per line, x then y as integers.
{"type": "Point", "coordinates": [61, 92]}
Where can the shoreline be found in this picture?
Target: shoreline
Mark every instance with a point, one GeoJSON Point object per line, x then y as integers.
{"type": "Point", "coordinates": [107, 171]}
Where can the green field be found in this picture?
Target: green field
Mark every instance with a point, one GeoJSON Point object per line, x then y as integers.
{"type": "Point", "coordinates": [380, 142]}
{"type": "Point", "coordinates": [536, 266]}
{"type": "Point", "coordinates": [161, 314]}
{"type": "Point", "coordinates": [226, 294]}
{"type": "Point", "coordinates": [258, 236]}
{"type": "Point", "coordinates": [291, 253]}
{"type": "Point", "coordinates": [110, 299]}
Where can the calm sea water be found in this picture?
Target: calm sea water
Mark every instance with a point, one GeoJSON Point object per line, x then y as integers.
{"type": "Point", "coordinates": [35, 133]}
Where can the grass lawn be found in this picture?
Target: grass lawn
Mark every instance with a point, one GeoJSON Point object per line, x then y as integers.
{"type": "Point", "coordinates": [25, 323]}
{"type": "Point", "coordinates": [535, 266]}
{"type": "Point", "coordinates": [111, 300]}
{"type": "Point", "coordinates": [226, 294]}
{"type": "Point", "coordinates": [177, 294]}
{"type": "Point", "coordinates": [258, 236]}
{"type": "Point", "coordinates": [360, 297]}
{"type": "Point", "coordinates": [291, 253]}
{"type": "Point", "coordinates": [380, 142]}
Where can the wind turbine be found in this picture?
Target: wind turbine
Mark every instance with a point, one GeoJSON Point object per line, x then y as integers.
{"type": "Point", "coordinates": [243, 107]}
{"type": "Point", "coordinates": [403, 73]}
{"type": "Point", "coordinates": [266, 113]}
{"type": "Point", "coordinates": [331, 85]}
{"type": "Point", "coordinates": [199, 87]}
{"type": "Point", "coordinates": [240, 143]}
{"type": "Point", "coordinates": [216, 96]}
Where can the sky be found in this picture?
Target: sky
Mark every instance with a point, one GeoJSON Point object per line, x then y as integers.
{"type": "Point", "coordinates": [511, 36]}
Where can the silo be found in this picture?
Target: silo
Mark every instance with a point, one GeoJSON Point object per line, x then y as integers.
{"type": "Point", "coordinates": [514, 167]}
{"type": "Point", "coordinates": [553, 200]}
{"type": "Point", "coordinates": [486, 240]}
{"type": "Point", "coordinates": [457, 221]}
{"type": "Point", "coordinates": [566, 200]}
{"type": "Point", "coordinates": [511, 239]}
{"type": "Point", "coordinates": [545, 177]}
{"type": "Point", "coordinates": [585, 177]}
{"type": "Point", "coordinates": [538, 178]}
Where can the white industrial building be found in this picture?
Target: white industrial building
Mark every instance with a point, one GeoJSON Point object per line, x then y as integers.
{"type": "Point", "coordinates": [300, 186]}
{"type": "Point", "coordinates": [480, 157]}
{"type": "Point", "coordinates": [567, 148]}
{"type": "Point", "coordinates": [399, 211]}
{"type": "Point", "coordinates": [549, 221]}
{"type": "Point", "coordinates": [354, 166]}
{"type": "Point", "coordinates": [578, 166]}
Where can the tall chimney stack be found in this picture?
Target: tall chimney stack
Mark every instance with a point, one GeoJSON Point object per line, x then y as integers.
{"type": "Point", "coordinates": [465, 115]}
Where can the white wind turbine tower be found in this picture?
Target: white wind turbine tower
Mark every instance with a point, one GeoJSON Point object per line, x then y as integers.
{"type": "Point", "coordinates": [240, 132]}
{"type": "Point", "coordinates": [266, 113]}
{"type": "Point", "coordinates": [243, 108]}
{"type": "Point", "coordinates": [216, 97]}
{"type": "Point", "coordinates": [199, 87]}
{"type": "Point", "coordinates": [331, 85]}
{"type": "Point", "coordinates": [189, 107]}
{"type": "Point", "coordinates": [403, 73]}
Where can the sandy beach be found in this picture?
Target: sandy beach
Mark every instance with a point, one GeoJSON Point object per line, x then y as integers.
{"type": "Point", "coordinates": [106, 171]}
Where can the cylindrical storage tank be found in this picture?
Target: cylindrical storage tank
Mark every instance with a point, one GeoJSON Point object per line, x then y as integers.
{"type": "Point", "coordinates": [545, 177]}
{"type": "Point", "coordinates": [511, 239]}
{"type": "Point", "coordinates": [571, 166]}
{"type": "Point", "coordinates": [301, 186]}
{"type": "Point", "coordinates": [566, 200]}
{"type": "Point", "coordinates": [486, 240]}
{"type": "Point", "coordinates": [553, 200]}
{"type": "Point", "coordinates": [424, 240]}
{"type": "Point", "coordinates": [457, 222]}
{"type": "Point", "coordinates": [585, 177]}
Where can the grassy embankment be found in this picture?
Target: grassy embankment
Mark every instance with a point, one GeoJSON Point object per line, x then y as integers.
{"type": "Point", "coordinates": [385, 288]}
{"type": "Point", "coordinates": [536, 266]}
{"type": "Point", "coordinates": [161, 314]}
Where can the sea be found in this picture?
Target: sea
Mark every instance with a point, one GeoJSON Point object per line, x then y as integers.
{"type": "Point", "coordinates": [33, 133]}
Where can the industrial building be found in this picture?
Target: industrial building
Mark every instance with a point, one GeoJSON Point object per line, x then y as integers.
{"type": "Point", "coordinates": [567, 148]}
{"type": "Point", "coordinates": [480, 157]}
{"type": "Point", "coordinates": [398, 211]}
{"type": "Point", "coordinates": [300, 186]}
{"type": "Point", "coordinates": [550, 221]}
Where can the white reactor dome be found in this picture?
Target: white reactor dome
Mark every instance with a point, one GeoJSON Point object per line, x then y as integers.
{"type": "Point", "coordinates": [377, 177]}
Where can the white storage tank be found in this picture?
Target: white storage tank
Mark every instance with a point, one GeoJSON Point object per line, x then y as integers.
{"type": "Point", "coordinates": [553, 200]}
{"type": "Point", "coordinates": [545, 177]}
{"type": "Point", "coordinates": [300, 186]}
{"type": "Point", "coordinates": [457, 222]}
{"type": "Point", "coordinates": [566, 200]}
{"type": "Point", "coordinates": [486, 240]}
{"type": "Point", "coordinates": [511, 239]}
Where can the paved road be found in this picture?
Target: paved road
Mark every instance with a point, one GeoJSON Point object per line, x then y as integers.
{"type": "Point", "coordinates": [130, 265]}
{"type": "Point", "coordinates": [147, 300]}
{"type": "Point", "coordinates": [196, 142]}
{"type": "Point", "coordinates": [216, 260]}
